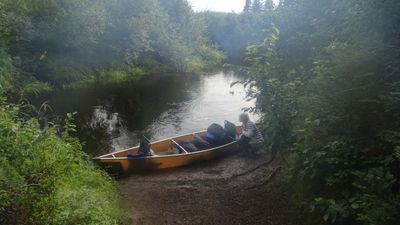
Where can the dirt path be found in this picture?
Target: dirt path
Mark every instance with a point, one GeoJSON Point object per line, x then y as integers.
{"type": "Point", "coordinates": [232, 190]}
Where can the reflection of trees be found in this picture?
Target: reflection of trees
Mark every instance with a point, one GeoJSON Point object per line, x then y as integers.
{"type": "Point", "coordinates": [155, 98]}
{"type": "Point", "coordinates": [95, 135]}
{"type": "Point", "coordinates": [107, 113]}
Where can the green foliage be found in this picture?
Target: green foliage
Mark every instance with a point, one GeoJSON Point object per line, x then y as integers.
{"type": "Point", "coordinates": [276, 97]}
{"type": "Point", "coordinates": [47, 179]}
{"type": "Point", "coordinates": [257, 6]}
{"type": "Point", "coordinates": [328, 83]}
{"type": "Point", "coordinates": [60, 42]}
{"type": "Point", "coordinates": [7, 70]}
{"type": "Point", "coordinates": [232, 32]}
{"type": "Point", "coordinates": [36, 87]}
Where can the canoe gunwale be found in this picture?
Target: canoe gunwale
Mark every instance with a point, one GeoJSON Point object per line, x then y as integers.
{"type": "Point", "coordinates": [164, 156]}
{"type": "Point", "coordinates": [111, 156]}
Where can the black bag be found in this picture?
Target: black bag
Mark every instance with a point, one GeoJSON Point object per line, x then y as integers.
{"type": "Point", "coordinates": [230, 129]}
{"type": "Point", "coordinates": [188, 146]}
{"type": "Point", "coordinates": [200, 143]}
{"type": "Point", "coordinates": [216, 135]}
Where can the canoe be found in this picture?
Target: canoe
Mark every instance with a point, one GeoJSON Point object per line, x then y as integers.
{"type": "Point", "coordinates": [164, 155]}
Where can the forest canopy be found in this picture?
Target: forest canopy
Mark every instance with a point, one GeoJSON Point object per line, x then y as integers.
{"type": "Point", "coordinates": [57, 42]}
{"type": "Point", "coordinates": [232, 32]}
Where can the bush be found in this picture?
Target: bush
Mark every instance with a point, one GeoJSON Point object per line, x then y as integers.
{"type": "Point", "coordinates": [47, 179]}
{"type": "Point", "coordinates": [329, 85]}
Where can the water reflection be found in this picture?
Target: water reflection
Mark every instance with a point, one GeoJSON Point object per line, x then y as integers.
{"type": "Point", "coordinates": [112, 118]}
{"type": "Point", "coordinates": [212, 101]}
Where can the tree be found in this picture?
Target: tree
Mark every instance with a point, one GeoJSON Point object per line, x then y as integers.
{"type": "Point", "coordinates": [328, 83]}
{"type": "Point", "coordinates": [247, 6]}
{"type": "Point", "coordinates": [233, 32]}
{"type": "Point", "coordinates": [257, 6]}
{"type": "Point", "coordinates": [269, 5]}
{"type": "Point", "coordinates": [62, 42]}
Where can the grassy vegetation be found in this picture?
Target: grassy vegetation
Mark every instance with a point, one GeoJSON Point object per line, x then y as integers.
{"type": "Point", "coordinates": [45, 178]}
{"type": "Point", "coordinates": [111, 77]}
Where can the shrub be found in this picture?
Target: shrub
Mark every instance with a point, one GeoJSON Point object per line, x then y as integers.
{"type": "Point", "coordinates": [47, 179]}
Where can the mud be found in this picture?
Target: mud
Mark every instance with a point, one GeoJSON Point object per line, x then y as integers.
{"type": "Point", "coordinates": [232, 190]}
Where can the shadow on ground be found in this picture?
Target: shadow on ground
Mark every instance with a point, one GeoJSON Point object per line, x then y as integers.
{"type": "Point", "coordinates": [232, 190]}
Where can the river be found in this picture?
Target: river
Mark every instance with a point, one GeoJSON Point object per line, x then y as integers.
{"type": "Point", "coordinates": [112, 117]}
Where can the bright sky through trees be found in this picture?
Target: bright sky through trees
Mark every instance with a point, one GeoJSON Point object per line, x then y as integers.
{"type": "Point", "coordinates": [219, 5]}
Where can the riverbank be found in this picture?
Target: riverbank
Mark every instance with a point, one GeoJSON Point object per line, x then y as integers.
{"type": "Point", "coordinates": [232, 190]}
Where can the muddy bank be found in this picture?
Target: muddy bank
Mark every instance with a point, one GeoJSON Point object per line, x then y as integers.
{"type": "Point", "coordinates": [232, 190]}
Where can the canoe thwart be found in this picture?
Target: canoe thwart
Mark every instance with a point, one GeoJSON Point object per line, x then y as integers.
{"type": "Point", "coordinates": [177, 144]}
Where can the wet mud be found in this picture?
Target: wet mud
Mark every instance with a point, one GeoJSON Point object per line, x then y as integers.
{"type": "Point", "coordinates": [232, 190]}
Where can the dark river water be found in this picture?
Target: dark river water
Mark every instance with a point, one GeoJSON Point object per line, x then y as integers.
{"type": "Point", "coordinates": [113, 117]}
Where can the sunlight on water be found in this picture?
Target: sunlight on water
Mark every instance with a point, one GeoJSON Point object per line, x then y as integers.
{"type": "Point", "coordinates": [113, 117]}
{"type": "Point", "coordinates": [213, 102]}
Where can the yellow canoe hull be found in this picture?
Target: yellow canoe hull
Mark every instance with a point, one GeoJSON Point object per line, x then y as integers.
{"type": "Point", "coordinates": [118, 162]}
